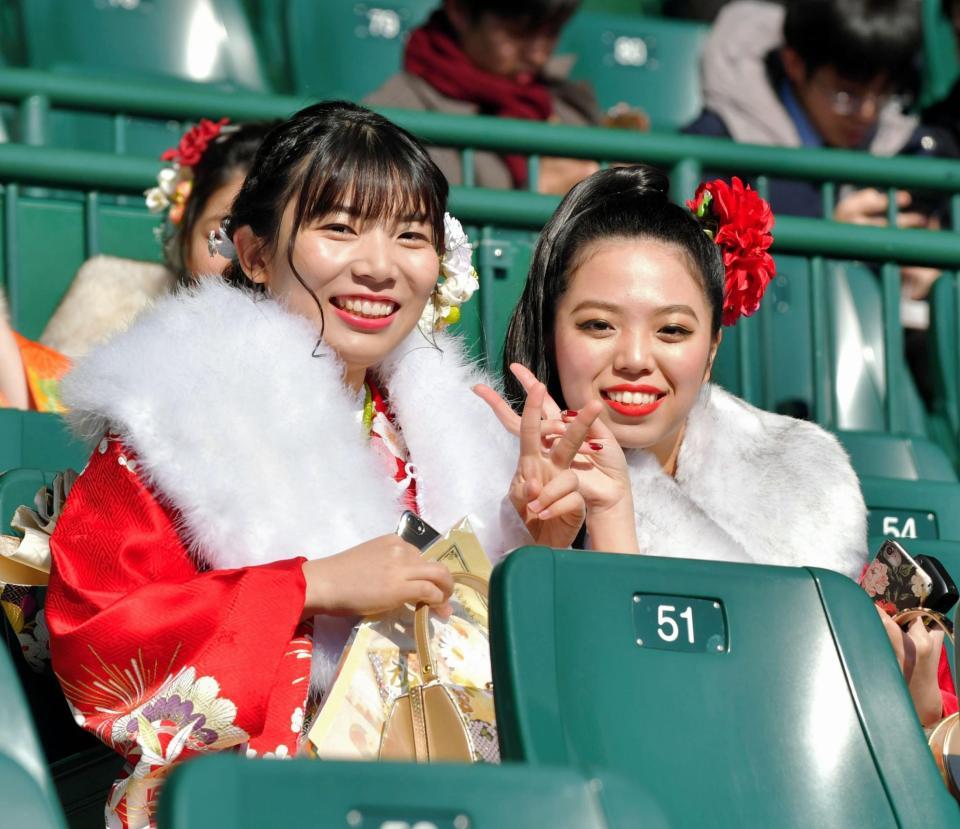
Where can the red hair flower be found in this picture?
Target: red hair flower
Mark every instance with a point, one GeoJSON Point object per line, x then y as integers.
{"type": "Point", "coordinates": [195, 142]}
{"type": "Point", "coordinates": [739, 221]}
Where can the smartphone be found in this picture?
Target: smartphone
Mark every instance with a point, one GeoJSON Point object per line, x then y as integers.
{"type": "Point", "coordinates": [895, 580]}
{"type": "Point", "coordinates": [414, 530]}
{"type": "Point", "coordinates": [944, 595]}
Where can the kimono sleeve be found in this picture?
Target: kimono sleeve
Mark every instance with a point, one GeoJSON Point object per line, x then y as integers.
{"type": "Point", "coordinates": [158, 658]}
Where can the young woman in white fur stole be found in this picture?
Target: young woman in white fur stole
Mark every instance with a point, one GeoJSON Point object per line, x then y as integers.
{"type": "Point", "coordinates": [623, 307]}
{"type": "Point", "coordinates": [258, 439]}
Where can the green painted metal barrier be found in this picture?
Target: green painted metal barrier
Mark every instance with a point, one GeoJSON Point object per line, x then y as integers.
{"type": "Point", "coordinates": [38, 93]}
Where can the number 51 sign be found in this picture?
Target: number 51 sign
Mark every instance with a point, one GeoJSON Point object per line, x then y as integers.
{"type": "Point", "coordinates": [679, 623]}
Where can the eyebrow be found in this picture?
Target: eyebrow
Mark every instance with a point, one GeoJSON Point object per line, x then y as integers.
{"type": "Point", "coordinates": [614, 308]}
{"type": "Point", "coordinates": [354, 213]}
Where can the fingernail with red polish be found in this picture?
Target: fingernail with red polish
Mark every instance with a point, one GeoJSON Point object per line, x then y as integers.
{"type": "Point", "coordinates": [596, 447]}
{"type": "Point", "coordinates": [569, 413]}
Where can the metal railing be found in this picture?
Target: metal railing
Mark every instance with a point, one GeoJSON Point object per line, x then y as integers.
{"type": "Point", "coordinates": [817, 239]}
{"type": "Point", "coordinates": [38, 94]}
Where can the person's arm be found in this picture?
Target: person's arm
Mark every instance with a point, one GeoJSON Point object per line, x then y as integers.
{"type": "Point", "coordinates": [134, 623]}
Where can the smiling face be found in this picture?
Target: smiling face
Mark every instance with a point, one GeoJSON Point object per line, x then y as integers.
{"type": "Point", "coordinates": [371, 279]}
{"type": "Point", "coordinates": [633, 330]}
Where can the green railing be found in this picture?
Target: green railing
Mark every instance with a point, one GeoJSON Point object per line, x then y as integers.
{"type": "Point", "coordinates": [37, 94]}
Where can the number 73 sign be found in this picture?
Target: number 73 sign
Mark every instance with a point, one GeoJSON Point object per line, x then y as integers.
{"type": "Point", "coordinates": [679, 623]}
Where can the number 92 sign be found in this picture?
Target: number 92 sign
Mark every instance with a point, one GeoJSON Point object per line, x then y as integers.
{"type": "Point", "coordinates": [679, 623]}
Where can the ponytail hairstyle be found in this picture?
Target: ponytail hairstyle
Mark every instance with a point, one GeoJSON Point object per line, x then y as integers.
{"type": "Point", "coordinates": [326, 157]}
{"type": "Point", "coordinates": [623, 203]}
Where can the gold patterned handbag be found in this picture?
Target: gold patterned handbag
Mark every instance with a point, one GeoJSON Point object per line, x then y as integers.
{"type": "Point", "coordinates": [436, 721]}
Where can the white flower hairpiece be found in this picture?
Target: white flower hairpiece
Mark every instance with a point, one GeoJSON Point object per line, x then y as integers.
{"type": "Point", "coordinates": [458, 279]}
{"type": "Point", "coordinates": [172, 191]}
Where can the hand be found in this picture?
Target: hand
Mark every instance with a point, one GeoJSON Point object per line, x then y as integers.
{"type": "Point", "coordinates": [917, 280]}
{"type": "Point", "coordinates": [599, 464]}
{"type": "Point", "coordinates": [917, 650]}
{"type": "Point", "coordinates": [869, 207]}
{"type": "Point", "coordinates": [558, 175]}
{"type": "Point", "coordinates": [379, 575]}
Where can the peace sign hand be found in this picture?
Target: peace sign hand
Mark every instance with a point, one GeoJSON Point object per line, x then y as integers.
{"type": "Point", "coordinates": [544, 490]}
{"type": "Point", "coordinates": [600, 463]}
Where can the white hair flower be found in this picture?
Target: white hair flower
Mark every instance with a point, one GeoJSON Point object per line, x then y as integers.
{"type": "Point", "coordinates": [458, 279]}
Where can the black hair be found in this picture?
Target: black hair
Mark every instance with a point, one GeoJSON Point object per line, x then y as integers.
{"type": "Point", "coordinates": [618, 203]}
{"type": "Point", "coordinates": [328, 156]}
{"type": "Point", "coordinates": [949, 7]}
{"type": "Point", "coordinates": [861, 39]}
{"type": "Point", "coordinates": [227, 156]}
{"type": "Point", "coordinates": [532, 13]}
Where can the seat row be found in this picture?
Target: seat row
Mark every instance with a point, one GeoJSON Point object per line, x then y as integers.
{"type": "Point", "coordinates": [630, 691]}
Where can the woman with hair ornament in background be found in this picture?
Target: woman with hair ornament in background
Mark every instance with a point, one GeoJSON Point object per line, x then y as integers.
{"type": "Point", "coordinates": [258, 440]}
{"type": "Point", "coordinates": [623, 307]}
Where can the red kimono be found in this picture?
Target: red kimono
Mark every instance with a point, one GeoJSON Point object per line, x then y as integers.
{"type": "Point", "coordinates": [162, 659]}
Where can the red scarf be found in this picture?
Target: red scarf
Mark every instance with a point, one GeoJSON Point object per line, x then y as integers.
{"type": "Point", "coordinates": [433, 53]}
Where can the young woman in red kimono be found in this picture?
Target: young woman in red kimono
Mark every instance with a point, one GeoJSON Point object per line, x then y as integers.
{"type": "Point", "coordinates": [233, 521]}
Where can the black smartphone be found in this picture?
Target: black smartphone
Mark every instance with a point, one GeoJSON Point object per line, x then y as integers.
{"type": "Point", "coordinates": [414, 530]}
{"type": "Point", "coordinates": [943, 592]}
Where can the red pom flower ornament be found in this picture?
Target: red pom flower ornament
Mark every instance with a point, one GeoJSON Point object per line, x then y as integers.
{"type": "Point", "coordinates": [174, 183]}
{"type": "Point", "coordinates": [739, 221]}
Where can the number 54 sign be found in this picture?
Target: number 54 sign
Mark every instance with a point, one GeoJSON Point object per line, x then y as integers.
{"type": "Point", "coordinates": [679, 623]}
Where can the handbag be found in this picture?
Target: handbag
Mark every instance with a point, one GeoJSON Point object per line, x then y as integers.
{"type": "Point", "coordinates": [436, 721]}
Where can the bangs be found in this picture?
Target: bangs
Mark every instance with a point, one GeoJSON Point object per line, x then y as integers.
{"type": "Point", "coordinates": [374, 180]}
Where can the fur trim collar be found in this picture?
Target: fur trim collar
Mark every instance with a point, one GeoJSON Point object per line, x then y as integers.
{"type": "Point", "coordinates": [752, 486]}
{"type": "Point", "coordinates": [258, 444]}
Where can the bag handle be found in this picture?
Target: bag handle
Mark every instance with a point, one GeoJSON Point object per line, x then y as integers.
{"type": "Point", "coordinates": [421, 627]}
{"type": "Point", "coordinates": [925, 613]}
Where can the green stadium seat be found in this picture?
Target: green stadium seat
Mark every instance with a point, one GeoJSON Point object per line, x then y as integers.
{"type": "Point", "coordinates": [345, 49]}
{"type": "Point", "coordinates": [903, 457]}
{"type": "Point", "coordinates": [18, 487]}
{"type": "Point", "coordinates": [262, 793]}
{"type": "Point", "coordinates": [650, 63]}
{"type": "Point", "coordinates": [174, 42]}
{"type": "Point", "coordinates": [768, 359]}
{"type": "Point", "coordinates": [47, 237]}
{"type": "Point", "coordinates": [944, 356]}
{"type": "Point", "coordinates": [26, 791]}
{"type": "Point", "coordinates": [912, 510]}
{"type": "Point", "coordinates": [940, 66]}
{"type": "Point", "coordinates": [36, 440]}
{"type": "Point", "coordinates": [207, 42]}
{"type": "Point", "coordinates": [742, 695]}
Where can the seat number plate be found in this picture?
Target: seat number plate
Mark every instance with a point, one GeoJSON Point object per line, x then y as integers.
{"type": "Point", "coordinates": [679, 623]}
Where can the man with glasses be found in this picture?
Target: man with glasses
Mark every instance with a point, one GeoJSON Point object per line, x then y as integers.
{"type": "Point", "coordinates": [822, 73]}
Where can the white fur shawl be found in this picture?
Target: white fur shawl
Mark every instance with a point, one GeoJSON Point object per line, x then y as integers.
{"type": "Point", "coordinates": [752, 486]}
{"type": "Point", "coordinates": [258, 445]}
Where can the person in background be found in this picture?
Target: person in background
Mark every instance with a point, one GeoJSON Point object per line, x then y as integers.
{"type": "Point", "coordinates": [820, 73]}
{"type": "Point", "coordinates": [193, 195]}
{"type": "Point", "coordinates": [495, 58]}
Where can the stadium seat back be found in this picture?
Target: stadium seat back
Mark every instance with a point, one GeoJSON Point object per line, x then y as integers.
{"type": "Point", "coordinates": [345, 49]}
{"type": "Point", "coordinates": [902, 457]}
{"type": "Point", "coordinates": [209, 41]}
{"type": "Point", "coordinates": [383, 795]}
{"type": "Point", "coordinates": [650, 63]}
{"type": "Point", "coordinates": [503, 260]}
{"type": "Point", "coordinates": [26, 791]}
{"type": "Point", "coordinates": [939, 53]}
{"type": "Point", "coordinates": [769, 358]}
{"type": "Point", "coordinates": [912, 510]}
{"type": "Point", "coordinates": [36, 440]}
{"type": "Point", "coordinates": [742, 695]}
{"type": "Point", "coordinates": [945, 351]}
{"type": "Point", "coordinates": [48, 237]}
